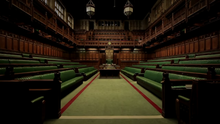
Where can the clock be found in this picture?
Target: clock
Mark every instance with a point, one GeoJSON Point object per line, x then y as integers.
{"type": "Point", "coordinates": [109, 43]}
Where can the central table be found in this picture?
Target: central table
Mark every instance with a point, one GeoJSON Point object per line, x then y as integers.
{"type": "Point", "coordinates": [109, 73]}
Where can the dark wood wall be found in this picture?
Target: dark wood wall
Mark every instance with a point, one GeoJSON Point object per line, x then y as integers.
{"type": "Point", "coordinates": [122, 57]}
{"type": "Point", "coordinates": [13, 42]}
{"type": "Point", "coordinates": [201, 43]}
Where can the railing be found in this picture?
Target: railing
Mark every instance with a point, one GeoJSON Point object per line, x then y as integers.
{"type": "Point", "coordinates": [39, 17]}
{"type": "Point", "coordinates": [198, 6]}
{"type": "Point", "coordinates": [22, 5]}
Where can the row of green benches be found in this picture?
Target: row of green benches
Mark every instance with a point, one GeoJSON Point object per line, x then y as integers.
{"type": "Point", "coordinates": [5, 55]}
{"type": "Point", "coordinates": [42, 91]}
{"type": "Point", "coordinates": [152, 77]}
{"type": "Point", "coordinates": [189, 56]}
{"type": "Point", "coordinates": [11, 61]}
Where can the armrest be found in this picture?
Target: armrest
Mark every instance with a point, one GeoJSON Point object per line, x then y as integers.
{"type": "Point", "coordinates": [140, 74]}
{"type": "Point", "coordinates": [79, 74]}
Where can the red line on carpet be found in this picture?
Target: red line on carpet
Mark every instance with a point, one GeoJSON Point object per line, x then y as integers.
{"type": "Point", "coordinates": [149, 100]}
{"type": "Point", "coordinates": [77, 95]}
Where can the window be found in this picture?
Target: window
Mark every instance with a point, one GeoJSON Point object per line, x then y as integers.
{"type": "Point", "coordinates": [45, 1]}
{"type": "Point", "coordinates": [70, 21]}
{"type": "Point", "coordinates": [59, 9]}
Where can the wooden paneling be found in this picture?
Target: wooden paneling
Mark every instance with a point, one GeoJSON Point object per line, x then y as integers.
{"type": "Point", "coordinates": [196, 44]}
{"type": "Point", "coordinates": [21, 46]}
{"type": "Point", "coordinates": [30, 47]}
{"type": "Point", "coordinates": [187, 47]}
{"type": "Point", "coordinates": [191, 47]}
{"type": "Point", "coordinates": [26, 46]}
{"type": "Point", "coordinates": [215, 42]}
{"type": "Point", "coordinates": [196, 47]}
{"type": "Point", "coordinates": [9, 42]}
{"type": "Point", "coordinates": [207, 43]}
{"type": "Point", "coordinates": [201, 45]}
{"type": "Point", "coordinates": [2, 42]}
{"type": "Point", "coordinates": [15, 44]}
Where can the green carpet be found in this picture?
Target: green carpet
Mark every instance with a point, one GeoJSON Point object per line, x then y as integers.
{"type": "Point", "coordinates": [110, 98]}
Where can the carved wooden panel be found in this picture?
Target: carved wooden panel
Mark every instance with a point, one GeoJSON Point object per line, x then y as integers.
{"type": "Point", "coordinates": [201, 45]}
{"type": "Point", "coordinates": [9, 43]}
{"type": "Point", "coordinates": [183, 49]}
{"type": "Point", "coordinates": [176, 51]}
{"type": "Point", "coordinates": [187, 47]}
{"type": "Point", "coordinates": [215, 42]}
{"type": "Point", "coordinates": [208, 43]}
{"type": "Point", "coordinates": [180, 49]}
{"type": "Point", "coordinates": [30, 47]}
{"type": "Point", "coordinates": [191, 47]}
{"type": "Point", "coordinates": [2, 42]}
{"type": "Point", "coordinates": [26, 46]}
{"type": "Point", "coordinates": [15, 44]}
{"type": "Point", "coordinates": [21, 45]}
{"type": "Point", "coordinates": [196, 44]}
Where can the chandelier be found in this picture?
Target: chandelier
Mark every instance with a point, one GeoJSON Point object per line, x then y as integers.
{"type": "Point", "coordinates": [128, 8]}
{"type": "Point", "coordinates": [90, 8]}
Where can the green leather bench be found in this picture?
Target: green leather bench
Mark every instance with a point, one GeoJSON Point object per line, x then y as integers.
{"type": "Point", "coordinates": [6, 61]}
{"type": "Point", "coordinates": [14, 61]}
{"type": "Point", "coordinates": [11, 61]}
{"type": "Point", "coordinates": [159, 63]}
{"type": "Point", "coordinates": [211, 61]}
{"type": "Point", "coordinates": [144, 66]}
{"type": "Point", "coordinates": [187, 69]}
{"type": "Point", "coordinates": [174, 59]}
{"type": "Point", "coordinates": [132, 72]}
{"type": "Point", "coordinates": [190, 69]}
{"type": "Point", "coordinates": [69, 79]}
{"type": "Point", "coordinates": [26, 55]}
{"type": "Point", "coordinates": [151, 80]}
{"type": "Point", "coordinates": [10, 55]}
{"type": "Point", "coordinates": [60, 62]}
{"type": "Point", "coordinates": [207, 56]}
{"type": "Point", "coordinates": [87, 72]}
{"type": "Point", "coordinates": [28, 69]}
{"type": "Point", "coordinates": [73, 66]}
{"type": "Point", "coordinates": [42, 58]}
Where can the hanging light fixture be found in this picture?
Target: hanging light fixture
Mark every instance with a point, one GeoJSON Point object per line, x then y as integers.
{"type": "Point", "coordinates": [128, 8]}
{"type": "Point", "coordinates": [90, 8]}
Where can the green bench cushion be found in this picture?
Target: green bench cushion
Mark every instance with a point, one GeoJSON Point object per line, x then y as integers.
{"type": "Point", "coordinates": [24, 61]}
{"type": "Point", "coordinates": [9, 55]}
{"type": "Point", "coordinates": [2, 70]}
{"type": "Point", "coordinates": [51, 59]}
{"type": "Point", "coordinates": [214, 61]}
{"type": "Point", "coordinates": [207, 56]}
{"type": "Point", "coordinates": [132, 70]}
{"type": "Point", "coordinates": [143, 66]}
{"type": "Point", "coordinates": [187, 69]}
{"type": "Point", "coordinates": [6, 61]}
{"type": "Point", "coordinates": [67, 75]}
{"type": "Point", "coordinates": [160, 63]}
{"type": "Point", "coordinates": [26, 55]}
{"type": "Point", "coordinates": [29, 69]}
{"type": "Point", "coordinates": [65, 85]}
{"type": "Point", "coordinates": [73, 66]}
